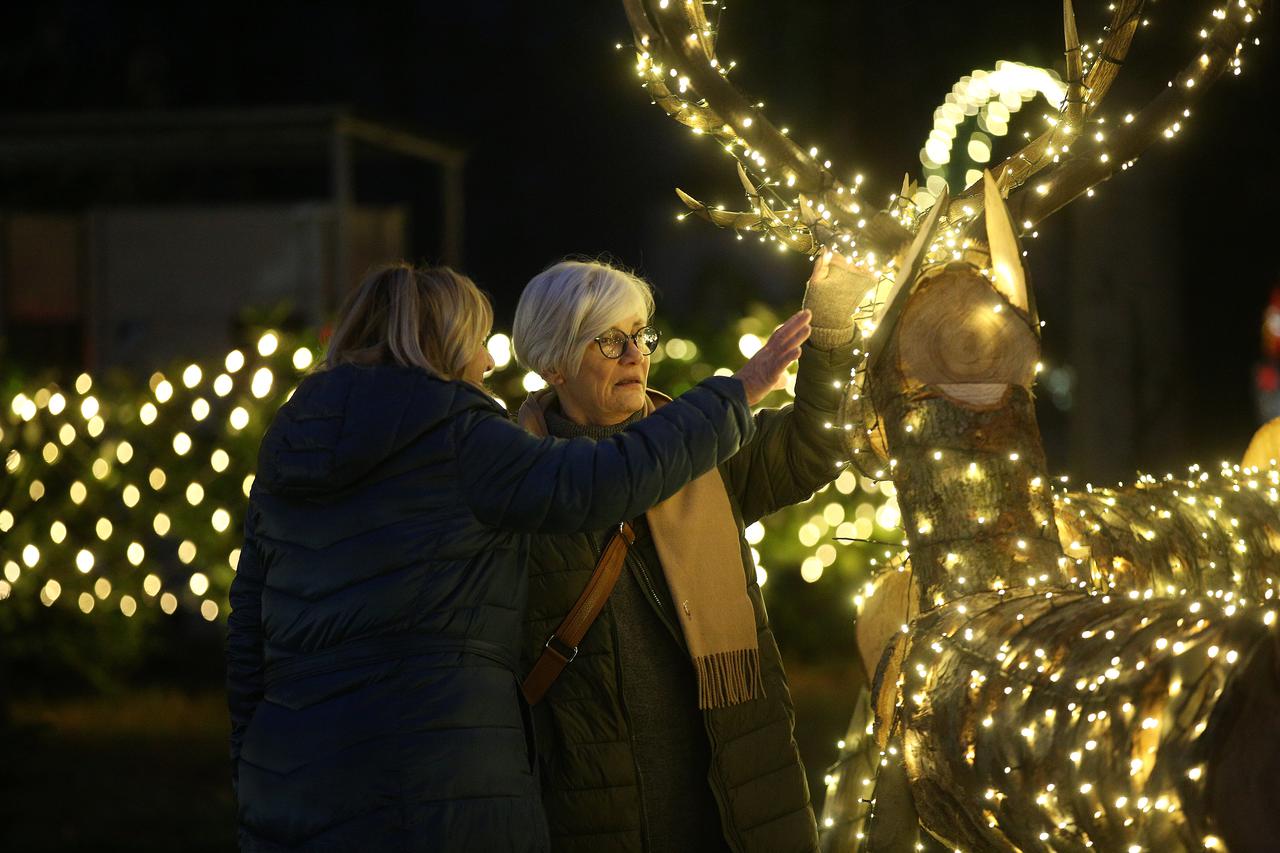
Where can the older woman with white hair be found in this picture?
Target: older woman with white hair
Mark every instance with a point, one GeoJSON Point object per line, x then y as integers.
{"type": "Point", "coordinates": [668, 725]}
{"type": "Point", "coordinates": [373, 639]}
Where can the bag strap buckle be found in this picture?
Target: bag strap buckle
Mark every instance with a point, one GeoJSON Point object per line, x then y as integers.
{"type": "Point", "coordinates": [556, 653]}
{"type": "Point", "coordinates": [557, 646]}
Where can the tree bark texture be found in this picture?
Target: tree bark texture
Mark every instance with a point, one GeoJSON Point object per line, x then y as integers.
{"type": "Point", "coordinates": [971, 480]}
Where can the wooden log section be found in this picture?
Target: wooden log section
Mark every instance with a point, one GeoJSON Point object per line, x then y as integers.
{"type": "Point", "coordinates": [967, 462]}
{"type": "Point", "coordinates": [1068, 721]}
{"type": "Point", "coordinates": [1204, 535]}
{"type": "Point", "coordinates": [1208, 533]}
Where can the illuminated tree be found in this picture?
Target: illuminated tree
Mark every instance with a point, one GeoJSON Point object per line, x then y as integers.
{"type": "Point", "coordinates": [123, 503]}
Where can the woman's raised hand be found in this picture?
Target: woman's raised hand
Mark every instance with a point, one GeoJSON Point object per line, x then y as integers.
{"type": "Point", "coordinates": [764, 371]}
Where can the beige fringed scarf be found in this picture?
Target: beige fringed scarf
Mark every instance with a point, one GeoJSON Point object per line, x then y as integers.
{"type": "Point", "coordinates": [697, 541]}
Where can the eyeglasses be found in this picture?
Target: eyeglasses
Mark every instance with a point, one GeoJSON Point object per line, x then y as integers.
{"type": "Point", "coordinates": [614, 342]}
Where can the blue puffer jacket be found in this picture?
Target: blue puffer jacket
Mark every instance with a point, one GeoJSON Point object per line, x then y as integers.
{"type": "Point", "coordinates": [378, 603]}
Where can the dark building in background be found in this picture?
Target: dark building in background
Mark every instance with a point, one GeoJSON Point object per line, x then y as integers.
{"type": "Point", "coordinates": [130, 240]}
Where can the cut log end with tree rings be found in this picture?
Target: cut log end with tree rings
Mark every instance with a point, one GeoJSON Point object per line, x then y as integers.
{"type": "Point", "coordinates": [957, 331]}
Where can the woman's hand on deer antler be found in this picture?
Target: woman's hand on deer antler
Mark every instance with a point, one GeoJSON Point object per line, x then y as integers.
{"type": "Point", "coordinates": [766, 370]}
{"type": "Point", "coordinates": [834, 291]}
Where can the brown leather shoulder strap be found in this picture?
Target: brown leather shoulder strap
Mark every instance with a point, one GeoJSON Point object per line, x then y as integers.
{"type": "Point", "coordinates": [562, 646]}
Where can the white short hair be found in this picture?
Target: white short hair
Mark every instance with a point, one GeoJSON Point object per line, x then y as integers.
{"type": "Point", "coordinates": [566, 306]}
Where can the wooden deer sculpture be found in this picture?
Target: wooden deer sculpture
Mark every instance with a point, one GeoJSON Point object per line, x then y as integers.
{"type": "Point", "coordinates": [1052, 670]}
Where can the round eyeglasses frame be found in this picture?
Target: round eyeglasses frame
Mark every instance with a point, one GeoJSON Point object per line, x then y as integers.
{"type": "Point", "coordinates": [613, 343]}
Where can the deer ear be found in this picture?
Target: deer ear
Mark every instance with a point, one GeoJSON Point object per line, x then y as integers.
{"type": "Point", "coordinates": [909, 187]}
{"type": "Point", "coordinates": [1008, 274]}
{"type": "Point", "coordinates": [904, 283]}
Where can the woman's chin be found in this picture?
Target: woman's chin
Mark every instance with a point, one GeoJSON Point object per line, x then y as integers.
{"type": "Point", "coordinates": [629, 398]}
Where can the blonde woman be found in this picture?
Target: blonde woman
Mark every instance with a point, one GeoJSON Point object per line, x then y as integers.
{"type": "Point", "coordinates": [376, 607]}
{"type": "Point", "coordinates": [671, 729]}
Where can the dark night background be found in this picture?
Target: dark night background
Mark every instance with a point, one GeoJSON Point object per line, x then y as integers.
{"type": "Point", "coordinates": [565, 155]}
{"type": "Point", "coordinates": [1153, 291]}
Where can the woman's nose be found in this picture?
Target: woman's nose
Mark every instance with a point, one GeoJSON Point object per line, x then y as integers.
{"type": "Point", "coordinates": [630, 352]}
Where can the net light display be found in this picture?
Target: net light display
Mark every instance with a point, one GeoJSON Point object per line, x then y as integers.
{"type": "Point", "coordinates": [130, 497]}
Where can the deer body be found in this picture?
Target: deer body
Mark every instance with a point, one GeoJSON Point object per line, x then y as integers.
{"type": "Point", "coordinates": [1040, 683]}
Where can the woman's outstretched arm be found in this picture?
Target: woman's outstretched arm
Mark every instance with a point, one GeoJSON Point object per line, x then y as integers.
{"type": "Point", "coordinates": [514, 481]}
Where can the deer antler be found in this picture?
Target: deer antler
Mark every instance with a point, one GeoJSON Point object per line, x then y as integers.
{"type": "Point", "coordinates": [1084, 94]}
{"type": "Point", "coordinates": [674, 41]}
{"type": "Point", "coordinates": [1162, 117]}
{"type": "Point", "coordinates": [1073, 112]}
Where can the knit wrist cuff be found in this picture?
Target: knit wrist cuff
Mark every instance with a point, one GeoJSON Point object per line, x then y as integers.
{"type": "Point", "coordinates": [828, 338]}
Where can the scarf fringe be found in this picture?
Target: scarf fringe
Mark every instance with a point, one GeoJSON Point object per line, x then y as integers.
{"type": "Point", "coordinates": [728, 678]}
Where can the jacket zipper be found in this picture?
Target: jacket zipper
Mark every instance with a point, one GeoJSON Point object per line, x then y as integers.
{"type": "Point", "coordinates": [649, 586]}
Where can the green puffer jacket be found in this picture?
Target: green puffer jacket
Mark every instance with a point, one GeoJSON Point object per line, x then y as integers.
{"type": "Point", "coordinates": [594, 798]}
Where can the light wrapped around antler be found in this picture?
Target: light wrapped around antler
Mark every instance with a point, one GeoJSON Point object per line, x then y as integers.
{"type": "Point", "coordinates": [1085, 93]}
{"type": "Point", "coordinates": [675, 46]}
{"type": "Point", "coordinates": [802, 232]}
{"type": "Point", "coordinates": [676, 43]}
{"type": "Point", "coordinates": [1161, 118]}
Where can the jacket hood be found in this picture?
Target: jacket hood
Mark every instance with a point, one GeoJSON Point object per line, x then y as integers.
{"type": "Point", "coordinates": [343, 423]}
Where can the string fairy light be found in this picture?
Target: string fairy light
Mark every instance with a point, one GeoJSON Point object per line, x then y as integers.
{"type": "Point", "coordinates": [155, 507]}
{"type": "Point", "coordinates": [1001, 564]}
{"type": "Point", "coordinates": [78, 529]}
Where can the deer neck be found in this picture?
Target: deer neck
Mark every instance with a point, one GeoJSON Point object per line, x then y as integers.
{"type": "Point", "coordinates": [967, 458]}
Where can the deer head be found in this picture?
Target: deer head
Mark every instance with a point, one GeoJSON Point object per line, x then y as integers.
{"type": "Point", "coordinates": [951, 331]}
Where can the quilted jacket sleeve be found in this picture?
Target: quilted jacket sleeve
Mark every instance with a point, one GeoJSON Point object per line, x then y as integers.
{"type": "Point", "coordinates": [796, 448]}
{"type": "Point", "coordinates": [244, 643]}
{"type": "Point", "coordinates": [514, 481]}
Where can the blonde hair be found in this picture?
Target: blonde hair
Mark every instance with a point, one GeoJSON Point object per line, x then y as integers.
{"type": "Point", "coordinates": [428, 317]}
{"type": "Point", "coordinates": [566, 306]}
